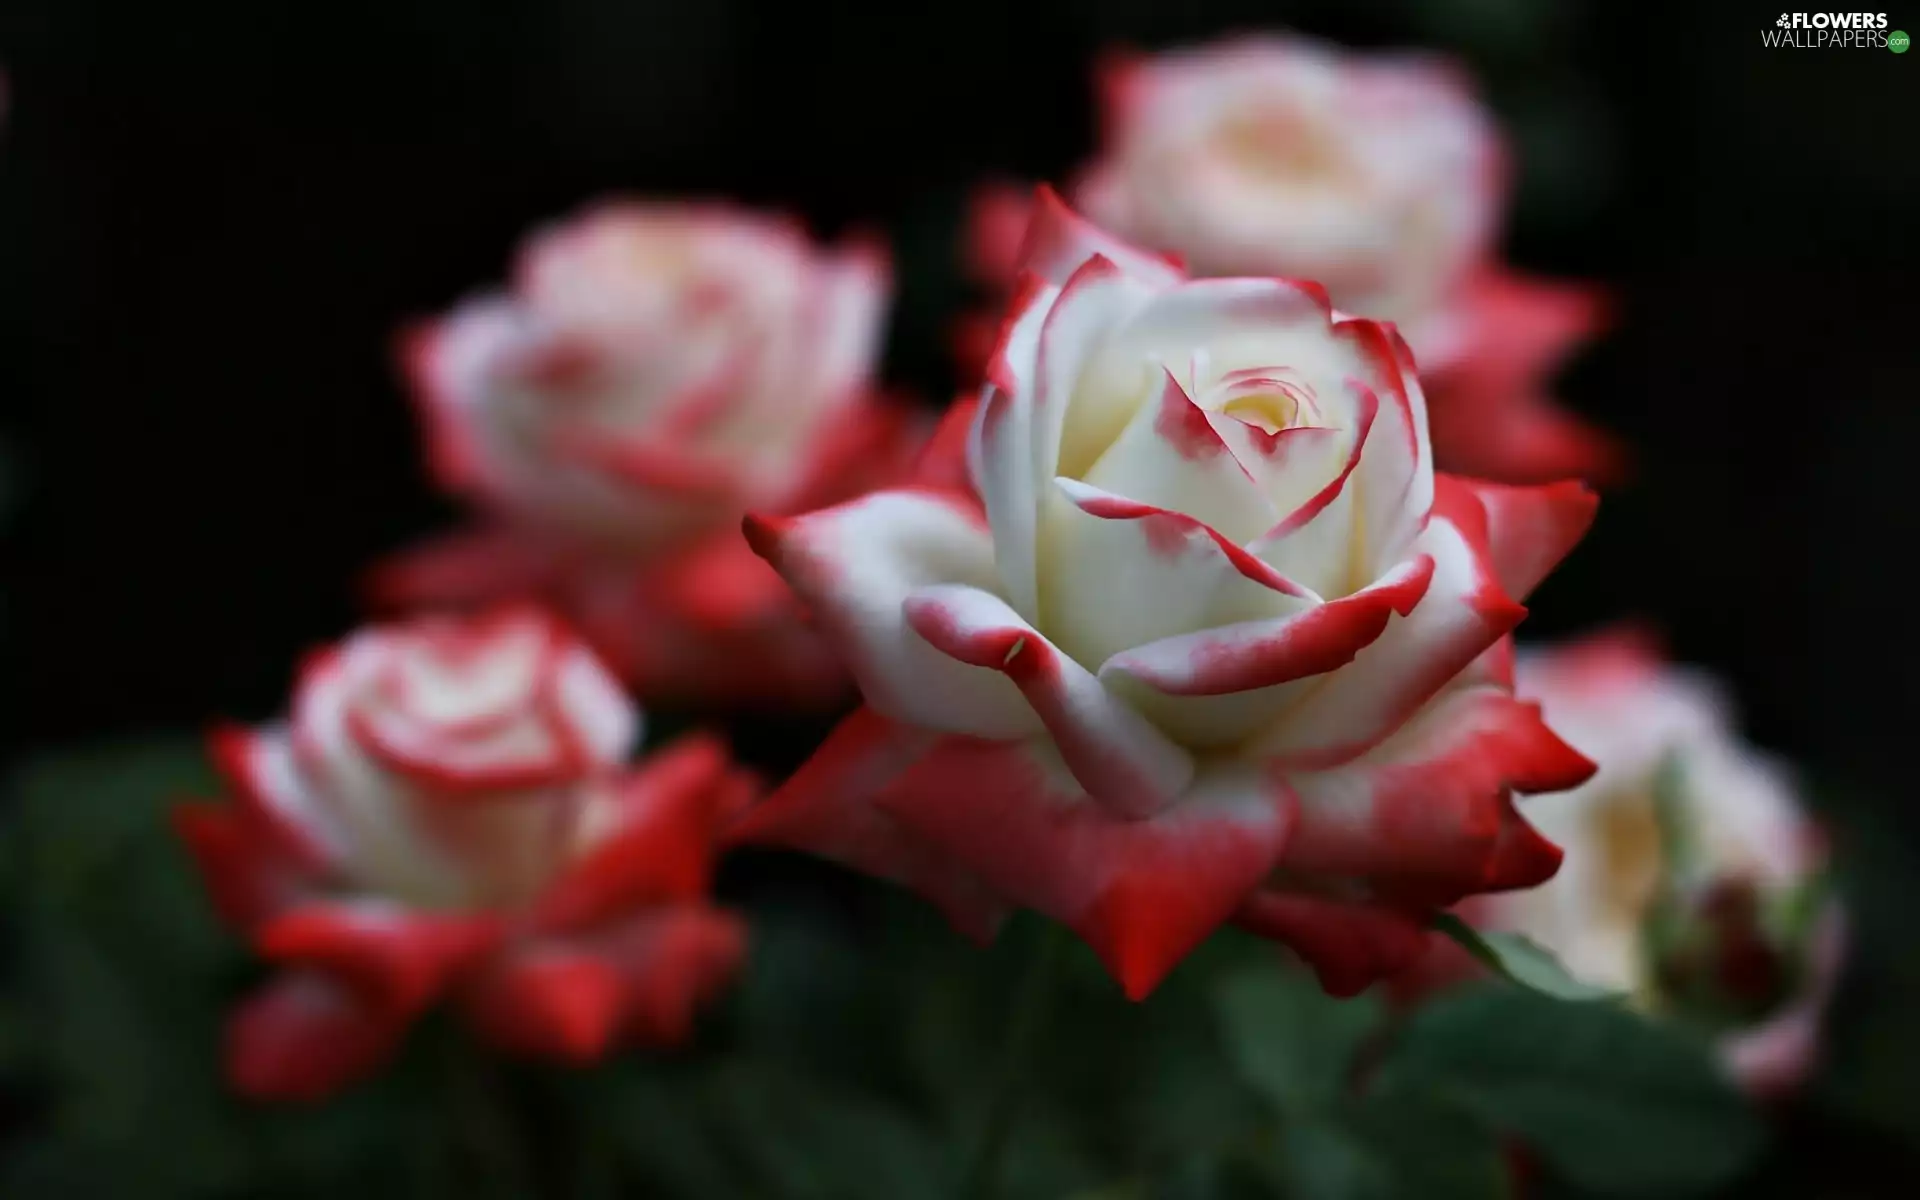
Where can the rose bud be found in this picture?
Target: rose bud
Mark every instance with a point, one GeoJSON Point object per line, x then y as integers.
{"type": "Point", "coordinates": [1381, 177]}
{"type": "Point", "coordinates": [654, 372]}
{"type": "Point", "coordinates": [1188, 630]}
{"type": "Point", "coordinates": [448, 815]}
{"type": "Point", "coordinates": [1693, 880]}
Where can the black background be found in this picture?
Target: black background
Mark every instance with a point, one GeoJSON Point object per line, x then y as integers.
{"type": "Point", "coordinates": [216, 213]}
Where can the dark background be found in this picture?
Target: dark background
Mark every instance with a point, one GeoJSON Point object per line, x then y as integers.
{"type": "Point", "coordinates": [213, 215]}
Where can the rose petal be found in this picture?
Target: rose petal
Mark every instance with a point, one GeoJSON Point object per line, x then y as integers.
{"type": "Point", "coordinates": [384, 844]}
{"type": "Point", "coordinates": [1531, 441]}
{"type": "Point", "coordinates": [1349, 944]}
{"type": "Point", "coordinates": [1058, 241]}
{"type": "Point", "coordinates": [589, 703]}
{"type": "Point", "coordinates": [998, 214]}
{"type": "Point", "coordinates": [1121, 573]}
{"type": "Point", "coordinates": [1222, 684]}
{"type": "Point", "coordinates": [552, 1002]}
{"type": "Point", "coordinates": [1096, 298]}
{"type": "Point", "coordinates": [505, 702]}
{"type": "Point", "coordinates": [1394, 481]}
{"type": "Point", "coordinates": [402, 956]}
{"type": "Point", "coordinates": [306, 1036]}
{"type": "Point", "coordinates": [1427, 815]}
{"type": "Point", "coordinates": [849, 309]}
{"type": "Point", "coordinates": [1495, 665]}
{"type": "Point", "coordinates": [866, 444]}
{"type": "Point", "coordinates": [1236, 322]}
{"type": "Point", "coordinates": [247, 875]}
{"type": "Point", "coordinates": [657, 842]}
{"type": "Point", "coordinates": [1114, 752]}
{"type": "Point", "coordinates": [855, 565]}
{"type": "Point", "coordinates": [471, 567]}
{"type": "Point", "coordinates": [1492, 418]}
{"type": "Point", "coordinates": [943, 459]}
{"type": "Point", "coordinates": [1171, 456]}
{"type": "Point", "coordinates": [656, 464]}
{"type": "Point", "coordinates": [674, 962]}
{"type": "Point", "coordinates": [716, 586]}
{"type": "Point", "coordinates": [1317, 542]}
{"type": "Point", "coordinates": [1463, 613]}
{"type": "Point", "coordinates": [1288, 465]}
{"type": "Point", "coordinates": [828, 808]}
{"type": "Point", "coordinates": [446, 362]}
{"type": "Point", "coordinates": [1530, 529]}
{"type": "Point", "coordinates": [275, 798]}
{"type": "Point", "coordinates": [1143, 893]}
{"type": "Point", "coordinates": [642, 982]}
{"type": "Point", "coordinates": [1773, 1059]}
{"type": "Point", "coordinates": [1001, 448]}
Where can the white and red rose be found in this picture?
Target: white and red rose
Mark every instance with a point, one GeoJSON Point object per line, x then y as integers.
{"type": "Point", "coordinates": [1382, 178]}
{"type": "Point", "coordinates": [1718, 924]}
{"type": "Point", "coordinates": [448, 814]}
{"type": "Point", "coordinates": [1196, 633]}
{"type": "Point", "coordinates": [654, 372]}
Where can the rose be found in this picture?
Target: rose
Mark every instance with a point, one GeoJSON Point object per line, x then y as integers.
{"type": "Point", "coordinates": [447, 815]}
{"type": "Point", "coordinates": [1212, 639]}
{"type": "Point", "coordinates": [1380, 177]}
{"type": "Point", "coordinates": [655, 371]}
{"type": "Point", "coordinates": [1724, 927]}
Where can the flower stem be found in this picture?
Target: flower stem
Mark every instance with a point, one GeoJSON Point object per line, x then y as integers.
{"type": "Point", "coordinates": [1037, 991]}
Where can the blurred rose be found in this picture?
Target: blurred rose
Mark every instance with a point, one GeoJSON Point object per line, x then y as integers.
{"type": "Point", "coordinates": [448, 814]}
{"type": "Point", "coordinates": [1204, 636]}
{"type": "Point", "coordinates": [1726, 928]}
{"type": "Point", "coordinates": [1381, 178]}
{"type": "Point", "coordinates": [655, 372]}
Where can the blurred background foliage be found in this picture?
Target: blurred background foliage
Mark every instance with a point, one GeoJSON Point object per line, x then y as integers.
{"type": "Point", "coordinates": [859, 1058]}
{"type": "Point", "coordinates": [214, 214]}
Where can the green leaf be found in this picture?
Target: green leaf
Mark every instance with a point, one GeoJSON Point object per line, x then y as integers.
{"type": "Point", "coordinates": [1394, 1146]}
{"type": "Point", "coordinates": [1610, 1100]}
{"type": "Point", "coordinates": [1290, 1040]}
{"type": "Point", "coordinates": [1130, 1189]}
{"type": "Point", "coordinates": [1520, 960]}
{"type": "Point", "coordinates": [807, 1138]}
{"type": "Point", "coordinates": [122, 976]}
{"type": "Point", "coordinates": [653, 1126]}
{"type": "Point", "coordinates": [1207, 1177]}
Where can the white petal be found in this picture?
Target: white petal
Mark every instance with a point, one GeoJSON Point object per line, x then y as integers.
{"type": "Point", "coordinates": [603, 718]}
{"type": "Point", "coordinates": [1114, 752]}
{"type": "Point", "coordinates": [1393, 484]}
{"type": "Point", "coordinates": [1000, 450]}
{"type": "Point", "coordinates": [1171, 456]}
{"type": "Point", "coordinates": [1462, 613]}
{"type": "Point", "coordinates": [1120, 574]}
{"type": "Point", "coordinates": [1234, 323]}
{"type": "Point", "coordinates": [856, 564]}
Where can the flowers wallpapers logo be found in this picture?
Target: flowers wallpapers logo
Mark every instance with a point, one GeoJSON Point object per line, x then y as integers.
{"type": "Point", "coordinates": [1805, 31]}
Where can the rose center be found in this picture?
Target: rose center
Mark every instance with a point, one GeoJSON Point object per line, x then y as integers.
{"type": "Point", "coordinates": [1269, 411]}
{"type": "Point", "coordinates": [1280, 142]}
{"type": "Point", "coordinates": [1628, 836]}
